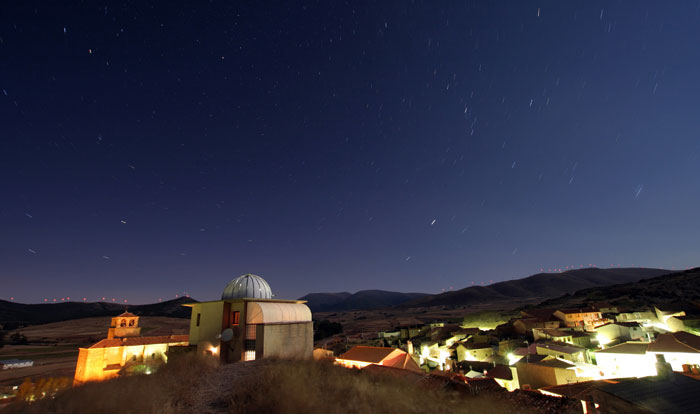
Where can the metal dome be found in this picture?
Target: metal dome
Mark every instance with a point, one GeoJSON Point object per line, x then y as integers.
{"type": "Point", "coordinates": [247, 286]}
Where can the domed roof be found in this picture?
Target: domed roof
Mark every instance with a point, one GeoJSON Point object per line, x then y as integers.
{"type": "Point", "coordinates": [247, 286]}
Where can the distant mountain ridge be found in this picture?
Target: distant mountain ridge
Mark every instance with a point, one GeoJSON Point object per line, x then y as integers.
{"type": "Point", "coordinates": [676, 290]}
{"type": "Point", "coordinates": [538, 286]}
{"type": "Point", "coordinates": [362, 300]}
{"type": "Point", "coordinates": [34, 314]}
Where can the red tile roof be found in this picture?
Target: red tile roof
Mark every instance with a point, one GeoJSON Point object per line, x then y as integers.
{"type": "Point", "coordinates": [140, 340]}
{"type": "Point", "coordinates": [676, 342]}
{"type": "Point", "coordinates": [372, 354]}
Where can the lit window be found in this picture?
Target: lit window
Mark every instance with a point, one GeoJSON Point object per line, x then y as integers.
{"type": "Point", "coordinates": [235, 317]}
{"type": "Point", "coordinates": [249, 356]}
{"type": "Point", "coordinates": [251, 331]}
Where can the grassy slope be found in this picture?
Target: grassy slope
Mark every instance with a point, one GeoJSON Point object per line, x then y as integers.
{"type": "Point", "coordinates": [189, 385]}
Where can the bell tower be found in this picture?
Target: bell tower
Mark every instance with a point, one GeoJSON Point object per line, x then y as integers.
{"type": "Point", "coordinates": [124, 325]}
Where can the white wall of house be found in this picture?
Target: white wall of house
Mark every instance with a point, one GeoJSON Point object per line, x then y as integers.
{"type": "Point", "coordinates": [678, 359]}
{"type": "Point", "coordinates": [626, 365]}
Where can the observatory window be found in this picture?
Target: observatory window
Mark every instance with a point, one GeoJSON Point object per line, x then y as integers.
{"type": "Point", "coordinates": [123, 324]}
{"type": "Point", "coordinates": [199, 318]}
{"type": "Point", "coordinates": [249, 356]}
{"type": "Point", "coordinates": [251, 331]}
{"type": "Point", "coordinates": [235, 317]}
{"type": "Point", "coordinates": [131, 322]}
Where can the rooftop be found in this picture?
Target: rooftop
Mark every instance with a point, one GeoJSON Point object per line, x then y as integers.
{"type": "Point", "coordinates": [140, 340]}
{"type": "Point", "coordinates": [677, 394]}
{"type": "Point", "coordinates": [676, 342]}
{"type": "Point", "coordinates": [560, 347]}
{"type": "Point", "coordinates": [372, 354]}
{"type": "Point", "coordinates": [554, 363]}
{"type": "Point", "coordinates": [556, 333]}
{"type": "Point", "coordinates": [578, 310]}
{"type": "Point", "coordinates": [631, 348]}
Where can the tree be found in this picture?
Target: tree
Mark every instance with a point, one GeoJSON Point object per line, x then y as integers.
{"type": "Point", "coordinates": [18, 339]}
{"type": "Point", "coordinates": [26, 390]}
{"type": "Point", "coordinates": [326, 328]}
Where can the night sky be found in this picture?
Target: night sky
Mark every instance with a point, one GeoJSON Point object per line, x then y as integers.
{"type": "Point", "coordinates": [149, 149]}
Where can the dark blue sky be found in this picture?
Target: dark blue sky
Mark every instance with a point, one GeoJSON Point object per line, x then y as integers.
{"type": "Point", "coordinates": [154, 148]}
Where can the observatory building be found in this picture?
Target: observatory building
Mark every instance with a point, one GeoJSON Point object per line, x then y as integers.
{"type": "Point", "coordinates": [248, 324]}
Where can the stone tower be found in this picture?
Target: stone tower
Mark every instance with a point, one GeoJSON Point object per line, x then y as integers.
{"type": "Point", "coordinates": [123, 326]}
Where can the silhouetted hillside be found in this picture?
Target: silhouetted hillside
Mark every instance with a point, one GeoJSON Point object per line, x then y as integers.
{"type": "Point", "coordinates": [675, 289]}
{"type": "Point", "coordinates": [362, 300]}
{"type": "Point", "coordinates": [32, 314]}
{"type": "Point", "coordinates": [539, 286]}
{"type": "Point", "coordinates": [319, 302]}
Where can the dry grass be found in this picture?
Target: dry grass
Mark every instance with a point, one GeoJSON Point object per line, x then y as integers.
{"type": "Point", "coordinates": [320, 387]}
{"type": "Point", "coordinates": [194, 385]}
{"type": "Point", "coordinates": [170, 390]}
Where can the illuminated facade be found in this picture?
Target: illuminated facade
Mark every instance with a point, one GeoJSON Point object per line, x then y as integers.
{"type": "Point", "coordinates": [678, 349]}
{"type": "Point", "coordinates": [247, 324]}
{"type": "Point", "coordinates": [581, 318]}
{"type": "Point", "coordinates": [123, 347]}
{"type": "Point", "coordinates": [629, 359]}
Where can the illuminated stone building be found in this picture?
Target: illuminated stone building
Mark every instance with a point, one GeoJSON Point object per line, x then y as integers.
{"type": "Point", "coordinates": [123, 347]}
{"type": "Point", "coordinates": [248, 324]}
{"type": "Point", "coordinates": [587, 319]}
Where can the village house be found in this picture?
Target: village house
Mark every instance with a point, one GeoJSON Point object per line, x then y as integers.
{"type": "Point", "coordinates": [525, 326]}
{"type": "Point", "coordinates": [412, 331]}
{"type": "Point", "coordinates": [674, 394]}
{"type": "Point", "coordinates": [546, 373]}
{"type": "Point", "coordinates": [642, 317]}
{"type": "Point", "coordinates": [586, 318]}
{"type": "Point", "coordinates": [504, 375]}
{"type": "Point", "coordinates": [577, 338]}
{"type": "Point", "coordinates": [688, 323]}
{"type": "Point", "coordinates": [678, 349]}
{"type": "Point", "coordinates": [615, 332]}
{"type": "Point", "coordinates": [605, 307]}
{"type": "Point", "coordinates": [565, 351]}
{"type": "Point", "coordinates": [122, 348]}
{"type": "Point", "coordinates": [507, 346]}
{"type": "Point", "coordinates": [473, 351]}
{"type": "Point", "coordinates": [248, 324]}
{"type": "Point", "coordinates": [363, 356]}
{"type": "Point", "coordinates": [15, 363]}
{"type": "Point", "coordinates": [629, 359]}
{"type": "Point", "coordinates": [666, 313]}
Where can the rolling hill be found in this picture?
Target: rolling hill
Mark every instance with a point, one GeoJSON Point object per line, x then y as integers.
{"type": "Point", "coordinates": [675, 289]}
{"type": "Point", "coordinates": [540, 286]}
{"type": "Point", "coordinates": [33, 314]}
{"type": "Point", "coordinates": [362, 300]}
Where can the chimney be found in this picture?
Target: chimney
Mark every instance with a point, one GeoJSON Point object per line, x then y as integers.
{"type": "Point", "coordinates": [663, 368]}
